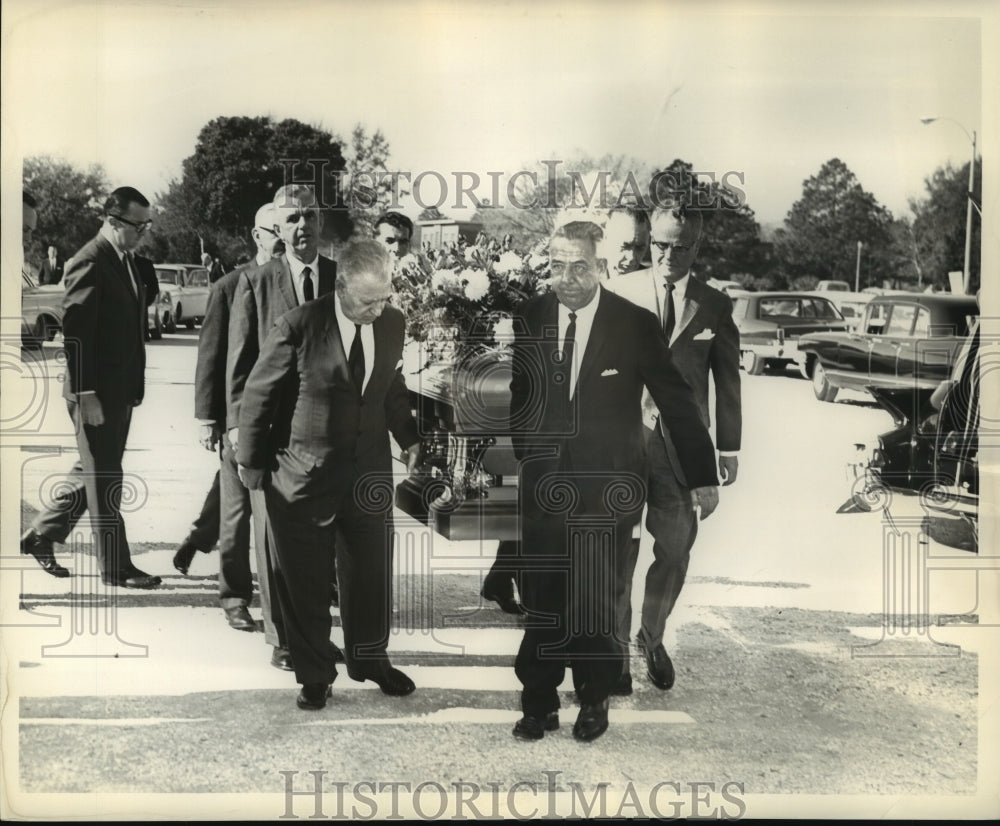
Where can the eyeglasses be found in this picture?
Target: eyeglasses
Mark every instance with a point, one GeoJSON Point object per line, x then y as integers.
{"type": "Point", "coordinates": [667, 246]}
{"type": "Point", "coordinates": [268, 231]}
{"type": "Point", "coordinates": [140, 226]}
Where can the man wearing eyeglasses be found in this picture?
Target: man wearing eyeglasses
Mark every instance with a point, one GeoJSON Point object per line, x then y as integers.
{"type": "Point", "coordinates": [698, 324]}
{"type": "Point", "coordinates": [104, 325]}
{"type": "Point", "coordinates": [263, 294]}
{"type": "Point", "coordinates": [225, 515]}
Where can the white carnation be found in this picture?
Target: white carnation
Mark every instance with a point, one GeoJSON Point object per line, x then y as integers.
{"type": "Point", "coordinates": [477, 284]}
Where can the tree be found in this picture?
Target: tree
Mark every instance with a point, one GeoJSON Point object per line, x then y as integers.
{"type": "Point", "coordinates": [939, 225]}
{"type": "Point", "coordinates": [819, 239]}
{"type": "Point", "coordinates": [237, 165]}
{"type": "Point", "coordinates": [70, 204]}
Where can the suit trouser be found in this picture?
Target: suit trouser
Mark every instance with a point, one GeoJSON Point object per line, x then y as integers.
{"type": "Point", "coordinates": [673, 524]}
{"type": "Point", "coordinates": [572, 567]}
{"type": "Point", "coordinates": [94, 484]}
{"type": "Point", "coordinates": [270, 605]}
{"type": "Point", "coordinates": [505, 568]}
{"type": "Point", "coordinates": [304, 560]}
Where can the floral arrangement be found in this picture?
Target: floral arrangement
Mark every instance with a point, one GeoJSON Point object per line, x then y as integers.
{"type": "Point", "coordinates": [461, 303]}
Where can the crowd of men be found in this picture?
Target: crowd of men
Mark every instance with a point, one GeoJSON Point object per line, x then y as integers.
{"type": "Point", "coordinates": [299, 389]}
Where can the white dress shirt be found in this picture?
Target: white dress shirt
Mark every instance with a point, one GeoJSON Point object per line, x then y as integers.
{"type": "Point", "coordinates": [680, 290]}
{"type": "Point", "coordinates": [584, 323]}
{"type": "Point", "coordinates": [347, 333]}
{"type": "Point", "coordinates": [296, 268]}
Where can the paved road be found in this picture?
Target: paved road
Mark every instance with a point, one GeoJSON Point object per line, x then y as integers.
{"type": "Point", "coordinates": [789, 679]}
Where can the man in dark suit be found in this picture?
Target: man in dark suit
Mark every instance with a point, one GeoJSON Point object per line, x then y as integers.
{"type": "Point", "coordinates": [225, 515]}
{"type": "Point", "coordinates": [317, 411]}
{"type": "Point", "coordinates": [52, 268]}
{"type": "Point", "coordinates": [103, 327]}
{"type": "Point", "coordinates": [698, 322]}
{"type": "Point", "coordinates": [581, 358]}
{"type": "Point", "coordinates": [262, 295]}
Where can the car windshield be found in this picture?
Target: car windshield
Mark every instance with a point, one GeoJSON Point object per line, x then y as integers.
{"type": "Point", "coordinates": [783, 307]}
{"type": "Point", "coordinates": [167, 276]}
{"type": "Point", "coordinates": [197, 278]}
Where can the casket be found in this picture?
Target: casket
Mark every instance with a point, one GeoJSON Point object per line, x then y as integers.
{"type": "Point", "coordinates": [465, 486]}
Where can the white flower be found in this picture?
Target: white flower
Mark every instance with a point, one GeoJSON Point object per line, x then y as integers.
{"type": "Point", "coordinates": [443, 280]}
{"type": "Point", "coordinates": [470, 253]}
{"type": "Point", "coordinates": [504, 330]}
{"type": "Point", "coordinates": [477, 283]}
{"type": "Point", "coordinates": [509, 262]}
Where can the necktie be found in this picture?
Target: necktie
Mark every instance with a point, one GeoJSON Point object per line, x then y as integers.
{"type": "Point", "coordinates": [668, 312]}
{"type": "Point", "coordinates": [567, 354]}
{"type": "Point", "coordinates": [307, 284]}
{"type": "Point", "coordinates": [127, 261]}
{"type": "Point", "coordinates": [356, 360]}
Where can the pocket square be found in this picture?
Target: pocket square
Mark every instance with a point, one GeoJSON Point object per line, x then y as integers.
{"type": "Point", "coordinates": [611, 372]}
{"type": "Point", "coordinates": [704, 335]}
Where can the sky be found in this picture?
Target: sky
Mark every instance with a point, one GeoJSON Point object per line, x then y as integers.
{"type": "Point", "coordinates": [769, 93]}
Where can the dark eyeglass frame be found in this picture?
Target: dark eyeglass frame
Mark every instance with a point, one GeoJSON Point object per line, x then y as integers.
{"type": "Point", "coordinates": [139, 227]}
{"type": "Point", "coordinates": [268, 230]}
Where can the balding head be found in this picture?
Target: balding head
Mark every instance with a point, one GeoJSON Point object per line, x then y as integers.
{"type": "Point", "coordinates": [364, 281]}
{"type": "Point", "coordinates": [265, 236]}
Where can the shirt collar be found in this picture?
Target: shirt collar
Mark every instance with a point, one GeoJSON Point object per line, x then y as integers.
{"type": "Point", "coordinates": [109, 237]}
{"type": "Point", "coordinates": [680, 285]}
{"type": "Point", "coordinates": [297, 266]}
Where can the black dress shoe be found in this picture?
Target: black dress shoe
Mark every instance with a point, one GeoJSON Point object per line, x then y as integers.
{"type": "Point", "coordinates": [132, 578]}
{"type": "Point", "coordinates": [506, 601]}
{"type": "Point", "coordinates": [239, 618]}
{"type": "Point", "coordinates": [182, 559]}
{"type": "Point", "coordinates": [534, 728]}
{"type": "Point", "coordinates": [658, 666]}
{"type": "Point", "coordinates": [40, 547]}
{"type": "Point", "coordinates": [334, 595]}
{"type": "Point", "coordinates": [313, 696]}
{"type": "Point", "coordinates": [391, 680]}
{"type": "Point", "coordinates": [281, 658]}
{"type": "Point", "coordinates": [592, 721]}
{"type": "Point", "coordinates": [338, 655]}
{"type": "Point", "coordinates": [624, 687]}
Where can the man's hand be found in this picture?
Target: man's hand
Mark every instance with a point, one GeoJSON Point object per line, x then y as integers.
{"type": "Point", "coordinates": [90, 410]}
{"type": "Point", "coordinates": [251, 477]}
{"type": "Point", "coordinates": [234, 435]}
{"type": "Point", "coordinates": [411, 455]}
{"type": "Point", "coordinates": [210, 435]}
{"type": "Point", "coordinates": [706, 499]}
{"type": "Point", "coordinates": [728, 468]}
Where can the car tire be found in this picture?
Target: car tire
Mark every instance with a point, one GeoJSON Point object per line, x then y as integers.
{"type": "Point", "coordinates": [169, 324]}
{"type": "Point", "coordinates": [822, 389]}
{"type": "Point", "coordinates": [752, 363]}
{"type": "Point", "coordinates": [189, 323]}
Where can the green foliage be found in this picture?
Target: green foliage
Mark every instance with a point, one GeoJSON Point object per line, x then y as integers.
{"type": "Point", "coordinates": [822, 229]}
{"type": "Point", "coordinates": [939, 225]}
{"type": "Point", "coordinates": [70, 205]}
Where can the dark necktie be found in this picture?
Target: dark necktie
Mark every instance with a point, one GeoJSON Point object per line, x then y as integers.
{"type": "Point", "coordinates": [307, 284]}
{"type": "Point", "coordinates": [668, 312]}
{"type": "Point", "coordinates": [567, 353]}
{"type": "Point", "coordinates": [356, 360]}
{"type": "Point", "coordinates": [127, 261]}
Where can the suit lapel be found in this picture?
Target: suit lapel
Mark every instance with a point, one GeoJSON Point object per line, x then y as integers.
{"type": "Point", "coordinates": [339, 350]}
{"type": "Point", "coordinates": [598, 338]}
{"type": "Point", "coordinates": [118, 265]}
{"type": "Point", "coordinates": [327, 275]}
{"type": "Point", "coordinates": [285, 284]}
{"type": "Point", "coordinates": [691, 305]}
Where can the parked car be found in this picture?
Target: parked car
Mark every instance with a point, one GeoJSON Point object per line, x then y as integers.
{"type": "Point", "coordinates": [154, 318]}
{"type": "Point", "coordinates": [905, 340]}
{"type": "Point", "coordinates": [851, 305]}
{"type": "Point", "coordinates": [770, 324]}
{"type": "Point", "coordinates": [183, 295]}
{"type": "Point", "coordinates": [725, 286]}
{"type": "Point", "coordinates": [931, 453]}
{"type": "Point", "coordinates": [833, 286]}
{"type": "Point", "coordinates": [41, 311]}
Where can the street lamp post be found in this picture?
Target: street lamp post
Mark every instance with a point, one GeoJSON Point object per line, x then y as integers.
{"type": "Point", "coordinates": [966, 278]}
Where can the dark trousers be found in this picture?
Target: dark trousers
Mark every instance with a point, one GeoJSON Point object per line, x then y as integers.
{"type": "Point", "coordinates": [225, 518]}
{"type": "Point", "coordinates": [673, 524]}
{"type": "Point", "coordinates": [303, 558]}
{"type": "Point", "coordinates": [94, 484]}
{"type": "Point", "coordinates": [270, 606]}
{"type": "Point", "coordinates": [504, 572]}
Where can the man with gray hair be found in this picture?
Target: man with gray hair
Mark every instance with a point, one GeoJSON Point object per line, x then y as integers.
{"type": "Point", "coordinates": [581, 358]}
{"type": "Point", "coordinates": [316, 414]}
{"type": "Point", "coordinates": [225, 515]}
{"type": "Point", "coordinates": [263, 294]}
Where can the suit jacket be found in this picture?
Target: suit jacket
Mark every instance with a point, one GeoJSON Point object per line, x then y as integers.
{"type": "Point", "coordinates": [303, 418]}
{"type": "Point", "coordinates": [263, 294]}
{"type": "Point", "coordinates": [705, 340]}
{"type": "Point", "coordinates": [49, 274]}
{"type": "Point", "coordinates": [601, 431]}
{"type": "Point", "coordinates": [104, 324]}
{"type": "Point", "coordinates": [213, 348]}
